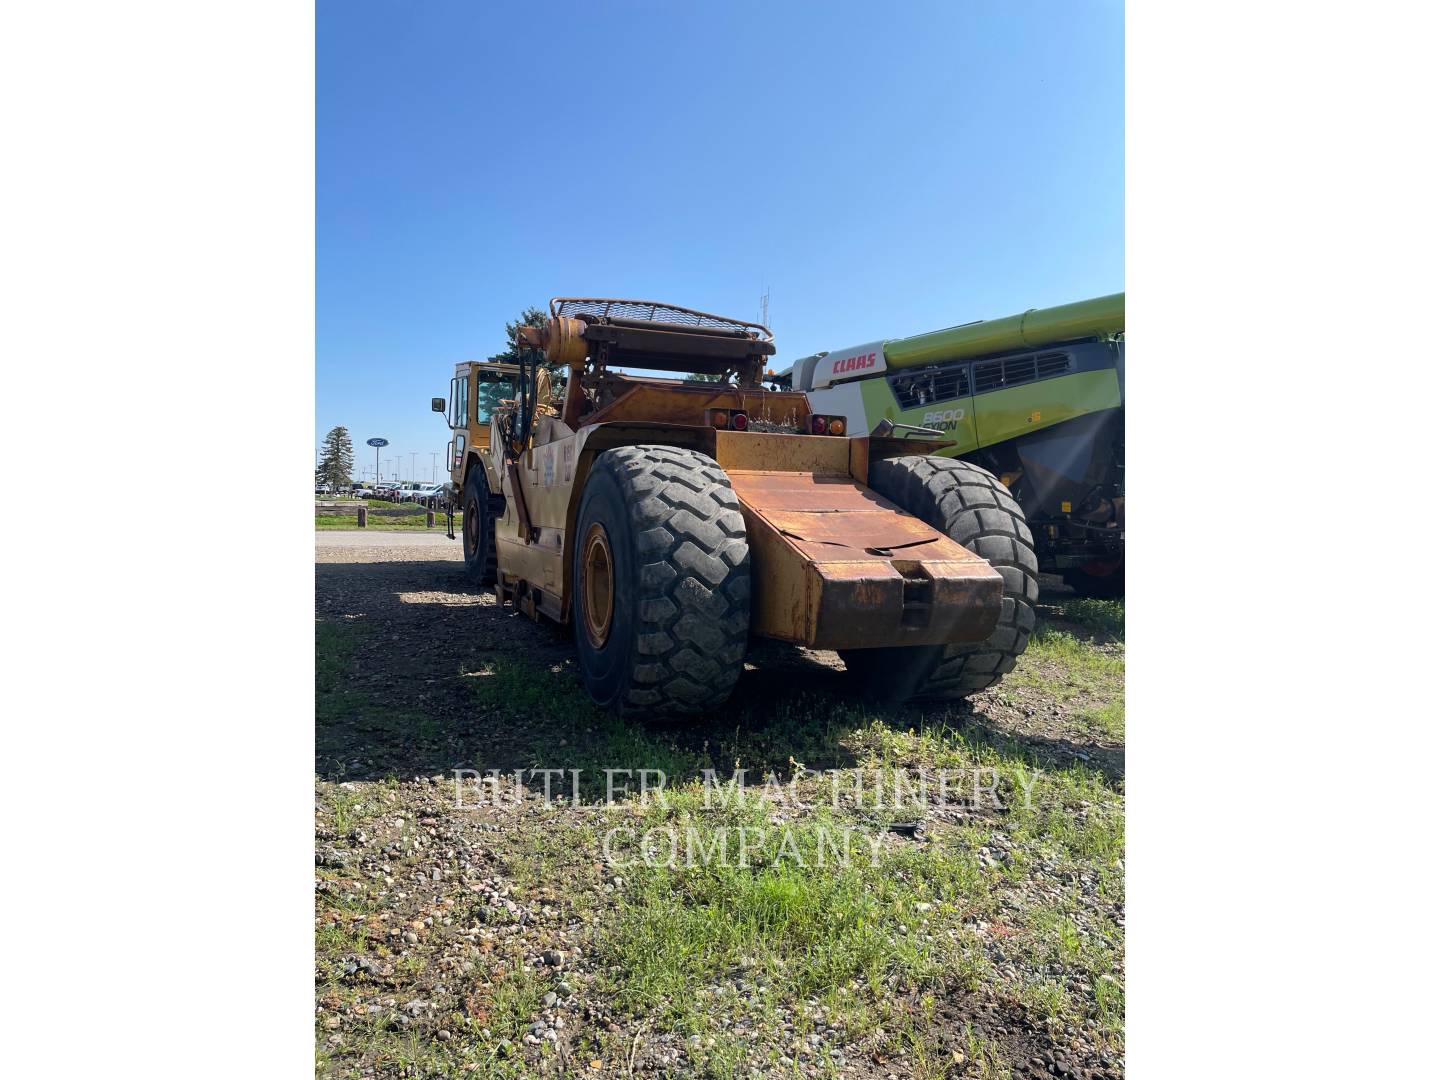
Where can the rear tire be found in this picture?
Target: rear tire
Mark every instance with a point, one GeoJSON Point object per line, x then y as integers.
{"type": "Point", "coordinates": [661, 582]}
{"type": "Point", "coordinates": [477, 529]}
{"type": "Point", "coordinates": [974, 509]}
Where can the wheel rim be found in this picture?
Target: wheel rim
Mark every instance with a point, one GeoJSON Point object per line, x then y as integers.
{"type": "Point", "coordinates": [472, 526]}
{"type": "Point", "coordinates": [598, 587]}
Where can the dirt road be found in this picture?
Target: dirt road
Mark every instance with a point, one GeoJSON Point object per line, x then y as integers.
{"type": "Point", "coordinates": [370, 541]}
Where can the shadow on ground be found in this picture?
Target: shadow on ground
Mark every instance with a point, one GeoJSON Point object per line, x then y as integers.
{"type": "Point", "coordinates": [419, 673]}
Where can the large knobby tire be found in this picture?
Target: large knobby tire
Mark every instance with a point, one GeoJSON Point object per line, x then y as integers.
{"type": "Point", "coordinates": [477, 529]}
{"type": "Point", "coordinates": [661, 576]}
{"type": "Point", "coordinates": [974, 509]}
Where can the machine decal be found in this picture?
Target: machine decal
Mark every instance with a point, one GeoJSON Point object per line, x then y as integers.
{"type": "Point", "coordinates": [943, 419]}
{"type": "Point", "coordinates": [850, 363]}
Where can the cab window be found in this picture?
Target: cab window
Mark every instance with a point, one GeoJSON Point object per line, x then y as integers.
{"type": "Point", "coordinates": [489, 393]}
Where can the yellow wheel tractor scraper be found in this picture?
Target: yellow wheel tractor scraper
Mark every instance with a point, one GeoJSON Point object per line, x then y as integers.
{"type": "Point", "coordinates": [669, 521]}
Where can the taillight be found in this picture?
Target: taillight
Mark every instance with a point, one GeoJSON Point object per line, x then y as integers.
{"type": "Point", "coordinates": [724, 418]}
{"type": "Point", "coordinates": [817, 425]}
{"type": "Point", "coordinates": [837, 425]}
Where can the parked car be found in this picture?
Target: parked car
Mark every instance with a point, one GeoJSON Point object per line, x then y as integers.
{"type": "Point", "coordinates": [432, 495]}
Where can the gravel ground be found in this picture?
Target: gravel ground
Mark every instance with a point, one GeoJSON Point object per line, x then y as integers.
{"type": "Point", "coordinates": [372, 546]}
{"type": "Point", "coordinates": [483, 941]}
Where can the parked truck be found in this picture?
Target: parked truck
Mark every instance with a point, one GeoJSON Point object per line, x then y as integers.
{"type": "Point", "coordinates": [668, 522]}
{"type": "Point", "coordinates": [1037, 398]}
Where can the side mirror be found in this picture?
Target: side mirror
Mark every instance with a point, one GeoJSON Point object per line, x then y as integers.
{"type": "Point", "coordinates": [437, 404]}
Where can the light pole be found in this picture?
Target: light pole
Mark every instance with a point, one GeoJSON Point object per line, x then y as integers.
{"type": "Point", "coordinates": [412, 465]}
{"type": "Point", "coordinates": [433, 456]}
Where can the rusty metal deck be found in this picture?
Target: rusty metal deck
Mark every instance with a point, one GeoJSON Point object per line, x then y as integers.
{"type": "Point", "coordinates": [845, 568]}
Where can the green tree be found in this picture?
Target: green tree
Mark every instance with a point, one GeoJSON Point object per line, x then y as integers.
{"type": "Point", "coordinates": [337, 459]}
{"type": "Point", "coordinates": [531, 316]}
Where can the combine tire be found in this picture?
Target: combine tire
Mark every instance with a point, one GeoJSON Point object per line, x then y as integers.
{"type": "Point", "coordinates": [973, 508]}
{"type": "Point", "coordinates": [661, 578]}
{"type": "Point", "coordinates": [478, 529]}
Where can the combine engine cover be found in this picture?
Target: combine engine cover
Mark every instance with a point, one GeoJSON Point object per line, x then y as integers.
{"type": "Point", "coordinates": [853, 363]}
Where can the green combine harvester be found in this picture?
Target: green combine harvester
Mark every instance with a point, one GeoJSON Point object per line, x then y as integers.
{"type": "Point", "coordinates": [1038, 399]}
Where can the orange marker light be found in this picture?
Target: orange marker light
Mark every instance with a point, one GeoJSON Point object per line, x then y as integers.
{"type": "Point", "coordinates": [837, 426]}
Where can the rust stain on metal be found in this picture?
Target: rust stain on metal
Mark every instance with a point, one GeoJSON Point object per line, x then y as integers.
{"type": "Point", "coordinates": [805, 491]}
{"type": "Point", "coordinates": [779, 453]}
{"type": "Point", "coordinates": [864, 536]}
{"type": "Point", "coordinates": [846, 568]}
{"type": "Point", "coordinates": [667, 401]}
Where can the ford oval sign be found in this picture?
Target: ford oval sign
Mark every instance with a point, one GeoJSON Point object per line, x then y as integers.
{"type": "Point", "coordinates": [377, 442]}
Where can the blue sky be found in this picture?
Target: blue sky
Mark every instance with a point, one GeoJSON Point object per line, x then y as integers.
{"type": "Point", "coordinates": [883, 169]}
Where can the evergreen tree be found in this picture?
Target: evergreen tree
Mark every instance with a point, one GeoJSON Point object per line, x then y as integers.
{"type": "Point", "coordinates": [337, 459]}
{"type": "Point", "coordinates": [531, 316]}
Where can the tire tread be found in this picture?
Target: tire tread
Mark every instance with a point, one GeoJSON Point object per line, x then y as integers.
{"type": "Point", "coordinates": [693, 612]}
{"type": "Point", "coordinates": [975, 509]}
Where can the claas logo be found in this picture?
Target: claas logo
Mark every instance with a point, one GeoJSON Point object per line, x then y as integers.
{"type": "Point", "coordinates": [853, 363]}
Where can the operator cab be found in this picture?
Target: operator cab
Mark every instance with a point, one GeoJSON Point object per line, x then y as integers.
{"type": "Point", "coordinates": [476, 392]}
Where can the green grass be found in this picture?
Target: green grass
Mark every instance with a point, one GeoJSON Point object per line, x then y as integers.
{"type": "Point", "coordinates": [688, 946]}
{"type": "Point", "coordinates": [556, 694]}
{"type": "Point", "coordinates": [1048, 643]}
{"type": "Point", "coordinates": [861, 938]}
{"type": "Point", "coordinates": [1107, 720]}
{"type": "Point", "coordinates": [685, 948]}
{"type": "Point", "coordinates": [1073, 670]}
{"type": "Point", "coordinates": [325, 522]}
{"type": "Point", "coordinates": [335, 645]}
{"type": "Point", "coordinates": [1106, 617]}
